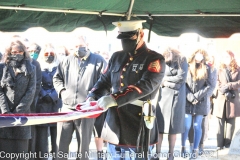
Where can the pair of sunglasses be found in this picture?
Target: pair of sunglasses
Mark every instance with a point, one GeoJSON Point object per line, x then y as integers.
{"type": "Point", "coordinates": [49, 53]}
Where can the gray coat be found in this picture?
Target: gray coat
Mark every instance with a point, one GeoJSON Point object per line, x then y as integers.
{"type": "Point", "coordinates": [16, 96]}
{"type": "Point", "coordinates": [77, 80]}
{"type": "Point", "coordinates": [232, 105]}
{"type": "Point", "coordinates": [171, 109]}
{"type": "Point", "coordinates": [198, 90]}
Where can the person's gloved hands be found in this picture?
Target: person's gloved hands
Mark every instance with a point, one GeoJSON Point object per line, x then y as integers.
{"type": "Point", "coordinates": [103, 103]}
{"type": "Point", "coordinates": [90, 99]}
{"type": "Point", "coordinates": [224, 89]}
{"type": "Point", "coordinates": [106, 101]}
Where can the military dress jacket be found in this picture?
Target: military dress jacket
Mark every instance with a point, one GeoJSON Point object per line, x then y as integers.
{"type": "Point", "coordinates": [130, 78]}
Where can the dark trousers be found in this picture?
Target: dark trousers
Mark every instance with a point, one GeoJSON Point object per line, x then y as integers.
{"type": "Point", "coordinates": [226, 127]}
{"type": "Point", "coordinates": [83, 128]}
{"type": "Point", "coordinates": [32, 141]}
{"type": "Point", "coordinates": [8, 146]}
{"type": "Point", "coordinates": [42, 146]}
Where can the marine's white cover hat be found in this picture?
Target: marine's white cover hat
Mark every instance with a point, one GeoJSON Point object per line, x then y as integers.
{"type": "Point", "coordinates": [128, 26]}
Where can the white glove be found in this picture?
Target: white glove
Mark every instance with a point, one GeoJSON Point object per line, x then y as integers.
{"type": "Point", "coordinates": [105, 102]}
{"type": "Point", "coordinates": [90, 99]}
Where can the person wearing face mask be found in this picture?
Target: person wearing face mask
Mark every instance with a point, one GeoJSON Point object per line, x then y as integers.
{"type": "Point", "coordinates": [205, 120]}
{"type": "Point", "coordinates": [198, 84]}
{"type": "Point", "coordinates": [74, 79]}
{"type": "Point", "coordinates": [18, 85]}
{"type": "Point", "coordinates": [30, 48]}
{"type": "Point", "coordinates": [227, 105]}
{"type": "Point", "coordinates": [170, 110]}
{"type": "Point", "coordinates": [48, 102]}
{"type": "Point", "coordinates": [127, 90]}
{"type": "Point", "coordinates": [34, 50]}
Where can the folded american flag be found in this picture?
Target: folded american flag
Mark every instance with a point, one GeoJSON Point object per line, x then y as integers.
{"type": "Point", "coordinates": [11, 120]}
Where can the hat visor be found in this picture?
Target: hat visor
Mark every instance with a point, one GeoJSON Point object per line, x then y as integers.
{"type": "Point", "coordinates": [126, 35]}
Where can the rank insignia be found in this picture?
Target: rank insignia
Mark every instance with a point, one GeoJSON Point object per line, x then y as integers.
{"type": "Point", "coordinates": [154, 66]}
{"type": "Point", "coordinates": [134, 67]}
{"type": "Point", "coordinates": [141, 66]}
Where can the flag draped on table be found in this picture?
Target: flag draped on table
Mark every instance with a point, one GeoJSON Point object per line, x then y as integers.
{"type": "Point", "coordinates": [11, 120]}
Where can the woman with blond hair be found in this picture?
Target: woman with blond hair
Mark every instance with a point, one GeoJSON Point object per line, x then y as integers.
{"type": "Point", "coordinates": [226, 104]}
{"type": "Point", "coordinates": [205, 120]}
{"type": "Point", "coordinates": [197, 87]}
{"type": "Point", "coordinates": [48, 101]}
{"type": "Point", "coordinates": [171, 107]}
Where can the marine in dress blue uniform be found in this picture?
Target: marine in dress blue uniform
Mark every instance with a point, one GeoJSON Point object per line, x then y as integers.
{"type": "Point", "coordinates": [134, 76]}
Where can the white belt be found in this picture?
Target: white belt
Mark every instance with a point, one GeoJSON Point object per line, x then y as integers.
{"type": "Point", "coordinates": [138, 103]}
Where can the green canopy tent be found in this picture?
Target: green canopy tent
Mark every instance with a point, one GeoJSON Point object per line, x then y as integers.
{"type": "Point", "coordinates": [208, 18]}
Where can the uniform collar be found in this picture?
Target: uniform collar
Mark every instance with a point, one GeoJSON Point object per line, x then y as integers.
{"type": "Point", "coordinates": [142, 48]}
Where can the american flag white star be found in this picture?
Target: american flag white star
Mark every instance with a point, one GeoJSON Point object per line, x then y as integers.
{"type": "Point", "coordinates": [17, 121]}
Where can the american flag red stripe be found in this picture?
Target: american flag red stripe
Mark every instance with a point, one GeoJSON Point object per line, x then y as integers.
{"type": "Point", "coordinates": [22, 119]}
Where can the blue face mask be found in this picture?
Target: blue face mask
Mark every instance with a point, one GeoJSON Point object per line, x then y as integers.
{"type": "Point", "coordinates": [34, 55]}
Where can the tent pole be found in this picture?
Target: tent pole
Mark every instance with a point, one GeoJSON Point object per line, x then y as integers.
{"type": "Point", "coordinates": [118, 14]}
{"type": "Point", "coordinates": [188, 15]}
{"type": "Point", "coordinates": [59, 10]}
{"type": "Point", "coordinates": [130, 10]}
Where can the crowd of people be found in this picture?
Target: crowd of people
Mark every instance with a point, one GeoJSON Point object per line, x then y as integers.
{"type": "Point", "coordinates": [144, 95]}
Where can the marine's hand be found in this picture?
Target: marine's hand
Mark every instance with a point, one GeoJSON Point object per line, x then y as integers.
{"type": "Point", "coordinates": [106, 101]}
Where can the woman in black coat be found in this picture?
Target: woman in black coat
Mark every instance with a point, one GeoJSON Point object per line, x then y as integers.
{"type": "Point", "coordinates": [48, 101]}
{"type": "Point", "coordinates": [197, 87]}
{"type": "Point", "coordinates": [18, 85]}
{"type": "Point", "coordinates": [171, 107]}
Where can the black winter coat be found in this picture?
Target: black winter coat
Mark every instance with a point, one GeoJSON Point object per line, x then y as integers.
{"type": "Point", "coordinates": [16, 95]}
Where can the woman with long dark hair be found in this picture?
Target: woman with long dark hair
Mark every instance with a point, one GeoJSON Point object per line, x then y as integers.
{"type": "Point", "coordinates": [226, 104]}
{"type": "Point", "coordinates": [171, 107]}
{"type": "Point", "coordinates": [18, 84]}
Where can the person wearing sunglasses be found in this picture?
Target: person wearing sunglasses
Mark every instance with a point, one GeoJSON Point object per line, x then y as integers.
{"type": "Point", "coordinates": [74, 79]}
{"type": "Point", "coordinates": [18, 85]}
{"type": "Point", "coordinates": [48, 101]}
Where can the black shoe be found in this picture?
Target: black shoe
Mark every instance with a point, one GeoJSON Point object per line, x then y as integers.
{"type": "Point", "coordinates": [183, 152]}
{"type": "Point", "coordinates": [194, 154]}
{"type": "Point", "coordinates": [100, 155]}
